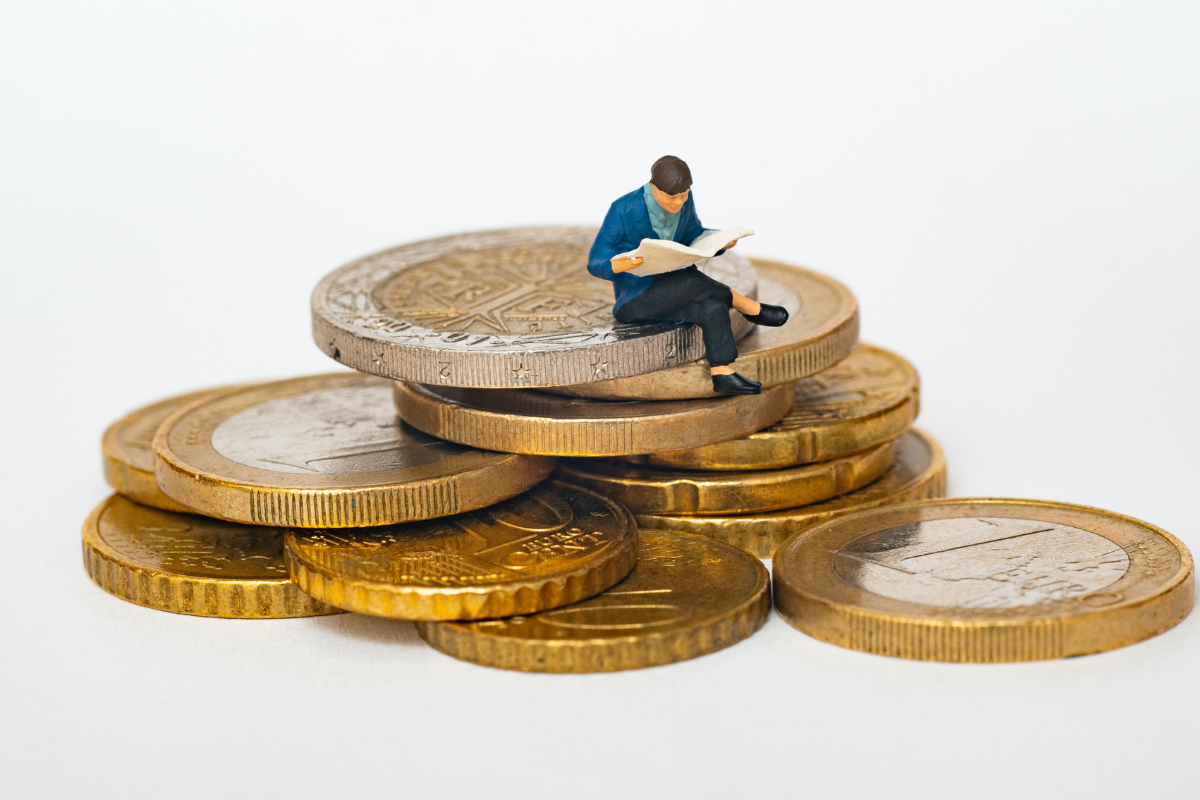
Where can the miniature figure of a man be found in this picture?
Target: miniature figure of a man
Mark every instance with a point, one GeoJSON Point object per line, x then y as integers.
{"type": "Point", "coordinates": [664, 209]}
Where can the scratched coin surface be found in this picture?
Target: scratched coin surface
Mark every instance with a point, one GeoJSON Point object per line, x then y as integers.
{"type": "Point", "coordinates": [984, 580]}
{"type": "Point", "coordinates": [869, 398]}
{"type": "Point", "coordinates": [686, 597]}
{"type": "Point", "coordinates": [551, 546]}
{"type": "Point", "coordinates": [821, 332]}
{"type": "Point", "coordinates": [495, 309]}
{"type": "Point", "coordinates": [917, 472]}
{"type": "Point", "coordinates": [188, 564]}
{"type": "Point", "coordinates": [326, 451]}
{"type": "Point", "coordinates": [128, 460]}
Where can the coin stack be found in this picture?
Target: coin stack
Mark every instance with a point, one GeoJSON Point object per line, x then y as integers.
{"type": "Point", "coordinates": [536, 486]}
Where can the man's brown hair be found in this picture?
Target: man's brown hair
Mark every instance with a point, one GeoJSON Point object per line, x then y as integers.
{"type": "Point", "coordinates": [671, 175]}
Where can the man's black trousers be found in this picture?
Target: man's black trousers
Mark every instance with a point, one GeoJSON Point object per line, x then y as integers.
{"type": "Point", "coordinates": [688, 295]}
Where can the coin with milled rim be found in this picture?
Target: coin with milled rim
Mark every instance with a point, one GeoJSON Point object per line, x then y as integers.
{"type": "Point", "coordinates": [188, 564]}
{"type": "Point", "coordinates": [917, 472]}
{"type": "Point", "coordinates": [496, 309]}
{"type": "Point", "coordinates": [686, 597]}
{"type": "Point", "coordinates": [551, 546]}
{"type": "Point", "coordinates": [326, 451]}
{"type": "Point", "coordinates": [984, 580]}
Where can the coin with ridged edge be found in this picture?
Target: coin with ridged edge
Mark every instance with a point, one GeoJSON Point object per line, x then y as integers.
{"type": "Point", "coordinates": [984, 580]}
{"type": "Point", "coordinates": [646, 490]}
{"type": "Point", "coordinates": [817, 336]}
{"type": "Point", "coordinates": [325, 451]}
{"type": "Point", "coordinates": [188, 564]}
{"type": "Point", "coordinates": [128, 459]}
{"type": "Point", "coordinates": [687, 596]}
{"type": "Point", "coordinates": [871, 397]}
{"type": "Point", "coordinates": [498, 309]}
{"type": "Point", "coordinates": [917, 472]}
{"type": "Point", "coordinates": [549, 547]}
{"type": "Point", "coordinates": [525, 421]}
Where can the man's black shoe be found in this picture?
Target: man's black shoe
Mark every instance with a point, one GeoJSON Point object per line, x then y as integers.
{"type": "Point", "coordinates": [769, 315]}
{"type": "Point", "coordinates": [735, 384]}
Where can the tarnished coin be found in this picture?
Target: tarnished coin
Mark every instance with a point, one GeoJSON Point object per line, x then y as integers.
{"type": "Point", "coordinates": [869, 398]}
{"type": "Point", "coordinates": [128, 460]}
{"type": "Point", "coordinates": [917, 472]}
{"type": "Point", "coordinates": [646, 490]}
{"type": "Point", "coordinates": [512, 308]}
{"type": "Point", "coordinates": [524, 421]}
{"type": "Point", "coordinates": [188, 564]}
{"type": "Point", "coordinates": [820, 335]}
{"type": "Point", "coordinates": [546, 548]}
{"type": "Point", "coordinates": [686, 597]}
{"type": "Point", "coordinates": [983, 580]}
{"type": "Point", "coordinates": [326, 451]}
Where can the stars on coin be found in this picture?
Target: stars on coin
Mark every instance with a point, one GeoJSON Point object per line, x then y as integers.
{"type": "Point", "coordinates": [599, 368]}
{"type": "Point", "coordinates": [521, 373]}
{"type": "Point", "coordinates": [334, 352]}
{"type": "Point", "coordinates": [379, 360]}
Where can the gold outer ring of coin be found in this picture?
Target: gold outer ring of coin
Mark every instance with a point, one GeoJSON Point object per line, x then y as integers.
{"type": "Point", "coordinates": [821, 335]}
{"type": "Point", "coordinates": [870, 397]}
{"type": "Point", "coordinates": [139, 567]}
{"type": "Point", "coordinates": [527, 421]}
{"type": "Point", "coordinates": [917, 472]}
{"type": "Point", "coordinates": [191, 471]}
{"type": "Point", "coordinates": [128, 459]}
{"type": "Point", "coordinates": [1154, 592]}
{"type": "Point", "coordinates": [380, 572]}
{"type": "Point", "coordinates": [687, 597]}
{"type": "Point", "coordinates": [645, 490]}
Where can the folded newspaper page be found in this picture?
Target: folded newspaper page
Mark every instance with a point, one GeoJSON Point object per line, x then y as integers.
{"type": "Point", "coordinates": [661, 255]}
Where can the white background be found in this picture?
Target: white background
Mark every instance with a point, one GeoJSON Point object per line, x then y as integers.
{"type": "Point", "coordinates": [1013, 193]}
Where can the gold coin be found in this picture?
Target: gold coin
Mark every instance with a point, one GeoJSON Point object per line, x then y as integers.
{"type": "Point", "coordinates": [686, 597]}
{"type": "Point", "coordinates": [816, 338]}
{"type": "Point", "coordinates": [554, 545]}
{"type": "Point", "coordinates": [984, 580]}
{"type": "Point", "coordinates": [188, 564]}
{"type": "Point", "coordinates": [869, 398]}
{"type": "Point", "coordinates": [646, 490]}
{"type": "Point", "coordinates": [326, 451]}
{"type": "Point", "coordinates": [128, 460]}
{"type": "Point", "coordinates": [917, 472]}
{"type": "Point", "coordinates": [526, 421]}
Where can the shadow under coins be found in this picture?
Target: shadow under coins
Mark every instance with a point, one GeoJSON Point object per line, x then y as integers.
{"type": "Point", "coordinates": [366, 628]}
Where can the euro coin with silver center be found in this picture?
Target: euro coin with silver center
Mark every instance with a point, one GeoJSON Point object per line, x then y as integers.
{"type": "Point", "coordinates": [686, 597]}
{"type": "Point", "coordinates": [326, 451]}
{"type": "Point", "coordinates": [498, 309]}
{"type": "Point", "coordinates": [817, 336]}
{"type": "Point", "coordinates": [188, 564]}
{"type": "Point", "coordinates": [984, 580]}
{"type": "Point", "coordinates": [546, 548]}
{"type": "Point", "coordinates": [645, 490]}
{"type": "Point", "coordinates": [869, 398]}
{"type": "Point", "coordinates": [525, 421]}
{"type": "Point", "coordinates": [917, 472]}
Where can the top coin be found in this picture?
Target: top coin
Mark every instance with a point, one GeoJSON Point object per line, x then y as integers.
{"type": "Point", "coordinates": [820, 335]}
{"type": "Point", "coordinates": [983, 580]}
{"type": "Point", "coordinates": [325, 451]}
{"type": "Point", "coordinates": [497, 309]}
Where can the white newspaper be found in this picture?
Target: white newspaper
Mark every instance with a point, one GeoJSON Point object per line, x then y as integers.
{"type": "Point", "coordinates": [661, 255]}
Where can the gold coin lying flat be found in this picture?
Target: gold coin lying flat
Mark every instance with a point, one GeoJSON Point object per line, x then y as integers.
{"type": "Point", "coordinates": [524, 421]}
{"type": "Point", "coordinates": [820, 335]}
{"type": "Point", "coordinates": [325, 451]}
{"type": "Point", "coordinates": [188, 564]}
{"type": "Point", "coordinates": [686, 597]}
{"type": "Point", "coordinates": [984, 580]}
{"type": "Point", "coordinates": [869, 398]}
{"type": "Point", "coordinates": [917, 472]}
{"type": "Point", "coordinates": [546, 548]}
{"type": "Point", "coordinates": [128, 460]}
{"type": "Point", "coordinates": [646, 490]}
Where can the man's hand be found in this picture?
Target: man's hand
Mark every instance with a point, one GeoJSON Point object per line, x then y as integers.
{"type": "Point", "coordinates": [625, 264]}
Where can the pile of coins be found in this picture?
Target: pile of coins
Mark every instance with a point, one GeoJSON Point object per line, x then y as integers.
{"type": "Point", "coordinates": [541, 488]}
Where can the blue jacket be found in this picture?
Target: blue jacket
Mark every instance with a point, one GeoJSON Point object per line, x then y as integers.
{"type": "Point", "coordinates": [625, 225]}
